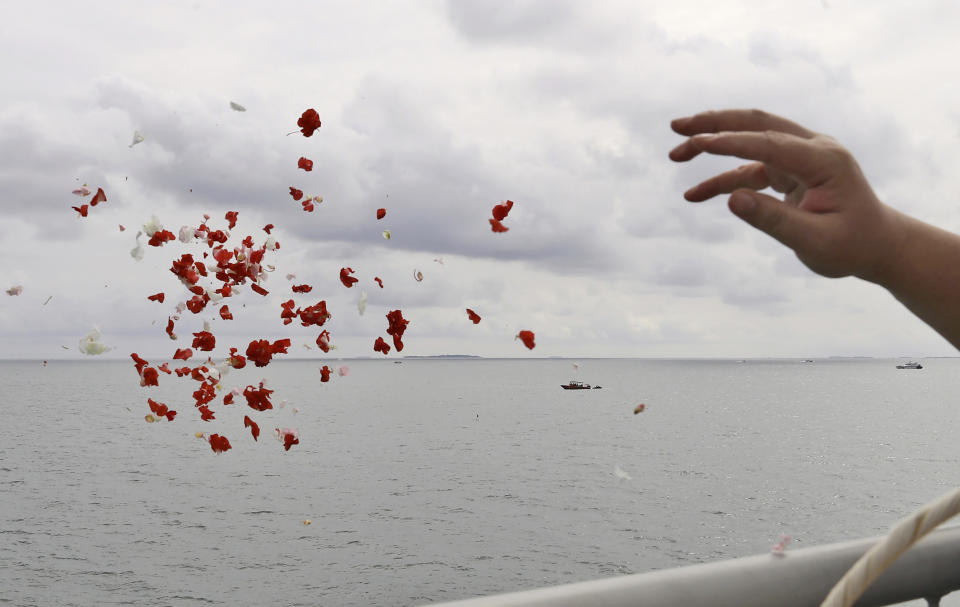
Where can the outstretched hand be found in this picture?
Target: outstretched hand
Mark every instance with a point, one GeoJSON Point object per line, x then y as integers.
{"type": "Point", "coordinates": [829, 216]}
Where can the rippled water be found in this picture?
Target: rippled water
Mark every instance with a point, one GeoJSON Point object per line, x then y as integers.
{"type": "Point", "coordinates": [440, 479]}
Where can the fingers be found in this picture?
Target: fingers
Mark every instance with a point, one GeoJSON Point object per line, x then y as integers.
{"type": "Point", "coordinates": [807, 160]}
{"type": "Point", "coordinates": [751, 176]}
{"type": "Point", "coordinates": [737, 120]}
{"type": "Point", "coordinates": [792, 227]}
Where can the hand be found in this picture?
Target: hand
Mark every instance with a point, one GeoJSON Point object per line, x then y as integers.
{"type": "Point", "coordinates": [830, 215]}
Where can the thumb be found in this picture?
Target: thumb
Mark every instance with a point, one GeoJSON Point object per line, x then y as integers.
{"type": "Point", "coordinates": [787, 224]}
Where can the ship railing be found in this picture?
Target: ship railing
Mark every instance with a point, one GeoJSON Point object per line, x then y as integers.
{"type": "Point", "coordinates": [793, 578]}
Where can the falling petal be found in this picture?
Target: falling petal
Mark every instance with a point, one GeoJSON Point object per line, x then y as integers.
{"type": "Point", "coordinates": [15, 290]}
{"type": "Point", "coordinates": [362, 304]}
{"type": "Point", "coordinates": [91, 344]}
{"type": "Point", "coordinates": [639, 408]}
{"type": "Point", "coordinates": [82, 191]}
{"type": "Point", "coordinates": [418, 275]}
{"type": "Point", "coordinates": [48, 300]}
{"type": "Point", "coordinates": [137, 138]}
{"type": "Point", "coordinates": [153, 226]}
{"type": "Point", "coordinates": [386, 234]}
{"type": "Point", "coordinates": [343, 371]}
{"type": "Point", "coordinates": [236, 107]}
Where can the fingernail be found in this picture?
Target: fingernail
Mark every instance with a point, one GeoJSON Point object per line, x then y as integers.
{"type": "Point", "coordinates": [742, 203]}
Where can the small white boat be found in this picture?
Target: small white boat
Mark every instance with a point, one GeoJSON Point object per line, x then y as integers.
{"type": "Point", "coordinates": [910, 365]}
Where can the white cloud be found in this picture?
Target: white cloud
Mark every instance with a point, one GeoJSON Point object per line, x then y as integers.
{"type": "Point", "coordinates": [437, 111]}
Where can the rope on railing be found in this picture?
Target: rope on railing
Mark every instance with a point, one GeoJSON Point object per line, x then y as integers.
{"type": "Point", "coordinates": [903, 535]}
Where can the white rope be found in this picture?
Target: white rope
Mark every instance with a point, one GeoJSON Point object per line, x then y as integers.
{"type": "Point", "coordinates": [903, 535]}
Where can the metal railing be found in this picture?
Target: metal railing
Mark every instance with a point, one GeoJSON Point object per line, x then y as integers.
{"type": "Point", "coordinates": [929, 570]}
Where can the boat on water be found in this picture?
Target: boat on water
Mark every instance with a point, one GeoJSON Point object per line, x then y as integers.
{"type": "Point", "coordinates": [910, 365]}
{"type": "Point", "coordinates": [578, 385]}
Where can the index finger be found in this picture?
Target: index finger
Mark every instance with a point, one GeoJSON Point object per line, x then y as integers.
{"type": "Point", "coordinates": [737, 120]}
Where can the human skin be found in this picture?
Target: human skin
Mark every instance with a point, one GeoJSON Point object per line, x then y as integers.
{"type": "Point", "coordinates": [829, 215]}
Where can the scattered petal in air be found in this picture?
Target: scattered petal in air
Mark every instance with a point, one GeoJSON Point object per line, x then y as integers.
{"type": "Point", "coordinates": [98, 198]}
{"type": "Point", "coordinates": [287, 436]}
{"type": "Point", "coordinates": [473, 316]}
{"type": "Point", "coordinates": [153, 226]}
{"type": "Point", "coordinates": [381, 346]}
{"type": "Point", "coordinates": [362, 304]}
{"type": "Point", "coordinates": [137, 138]}
{"type": "Point", "coordinates": [500, 211]}
{"type": "Point", "coordinates": [496, 226]}
{"type": "Point", "coordinates": [639, 408]}
{"type": "Point", "coordinates": [157, 297]}
{"type": "Point", "coordinates": [325, 373]}
{"type": "Point", "coordinates": [82, 209]}
{"type": "Point", "coordinates": [82, 191]}
{"type": "Point", "coordinates": [418, 275]}
{"type": "Point", "coordinates": [218, 443]}
{"type": "Point", "coordinates": [16, 290]}
{"type": "Point", "coordinates": [137, 251]}
{"type": "Point", "coordinates": [347, 280]}
{"type": "Point", "coordinates": [297, 194]}
{"type": "Point", "coordinates": [291, 276]}
{"type": "Point", "coordinates": [779, 548]}
{"type": "Point", "coordinates": [397, 325]}
{"type": "Point", "coordinates": [91, 344]}
{"type": "Point", "coordinates": [378, 281]}
{"type": "Point", "coordinates": [122, 228]}
{"type": "Point", "coordinates": [309, 122]}
{"type": "Point", "coordinates": [231, 216]}
{"type": "Point", "coordinates": [343, 371]}
{"type": "Point", "coordinates": [306, 521]}
{"type": "Point", "coordinates": [381, 213]}
{"type": "Point", "coordinates": [439, 260]}
{"type": "Point", "coordinates": [305, 163]}
{"type": "Point", "coordinates": [527, 338]}
{"type": "Point", "coordinates": [254, 428]}
{"type": "Point", "coordinates": [236, 107]}
{"type": "Point", "coordinates": [386, 234]}
{"type": "Point", "coordinates": [47, 300]}
{"type": "Point", "coordinates": [619, 473]}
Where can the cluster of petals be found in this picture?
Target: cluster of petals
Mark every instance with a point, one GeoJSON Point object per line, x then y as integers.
{"type": "Point", "coordinates": [500, 212]}
{"type": "Point", "coordinates": [260, 351]}
{"type": "Point", "coordinates": [397, 325]}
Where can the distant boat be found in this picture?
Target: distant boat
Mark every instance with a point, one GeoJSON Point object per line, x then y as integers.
{"type": "Point", "coordinates": [576, 385]}
{"type": "Point", "coordinates": [807, 360]}
{"type": "Point", "coordinates": [910, 365]}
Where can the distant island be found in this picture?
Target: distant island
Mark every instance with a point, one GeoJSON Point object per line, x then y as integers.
{"type": "Point", "coordinates": [447, 356]}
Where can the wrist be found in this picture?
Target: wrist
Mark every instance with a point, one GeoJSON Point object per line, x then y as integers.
{"type": "Point", "coordinates": [893, 234]}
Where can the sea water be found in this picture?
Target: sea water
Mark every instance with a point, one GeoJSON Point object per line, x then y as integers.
{"type": "Point", "coordinates": [434, 480]}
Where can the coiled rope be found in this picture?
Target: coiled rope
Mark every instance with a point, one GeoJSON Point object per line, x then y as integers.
{"type": "Point", "coordinates": [903, 535]}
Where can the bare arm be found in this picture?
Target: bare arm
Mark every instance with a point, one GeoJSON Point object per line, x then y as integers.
{"type": "Point", "coordinates": [829, 216]}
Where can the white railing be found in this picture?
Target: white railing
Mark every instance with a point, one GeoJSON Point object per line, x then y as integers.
{"type": "Point", "coordinates": [929, 570]}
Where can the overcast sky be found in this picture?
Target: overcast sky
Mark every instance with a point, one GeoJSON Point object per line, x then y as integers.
{"type": "Point", "coordinates": [437, 111]}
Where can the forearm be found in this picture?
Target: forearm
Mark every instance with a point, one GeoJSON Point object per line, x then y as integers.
{"type": "Point", "coordinates": [924, 275]}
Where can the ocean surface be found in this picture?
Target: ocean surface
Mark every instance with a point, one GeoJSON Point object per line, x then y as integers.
{"type": "Point", "coordinates": [435, 480]}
